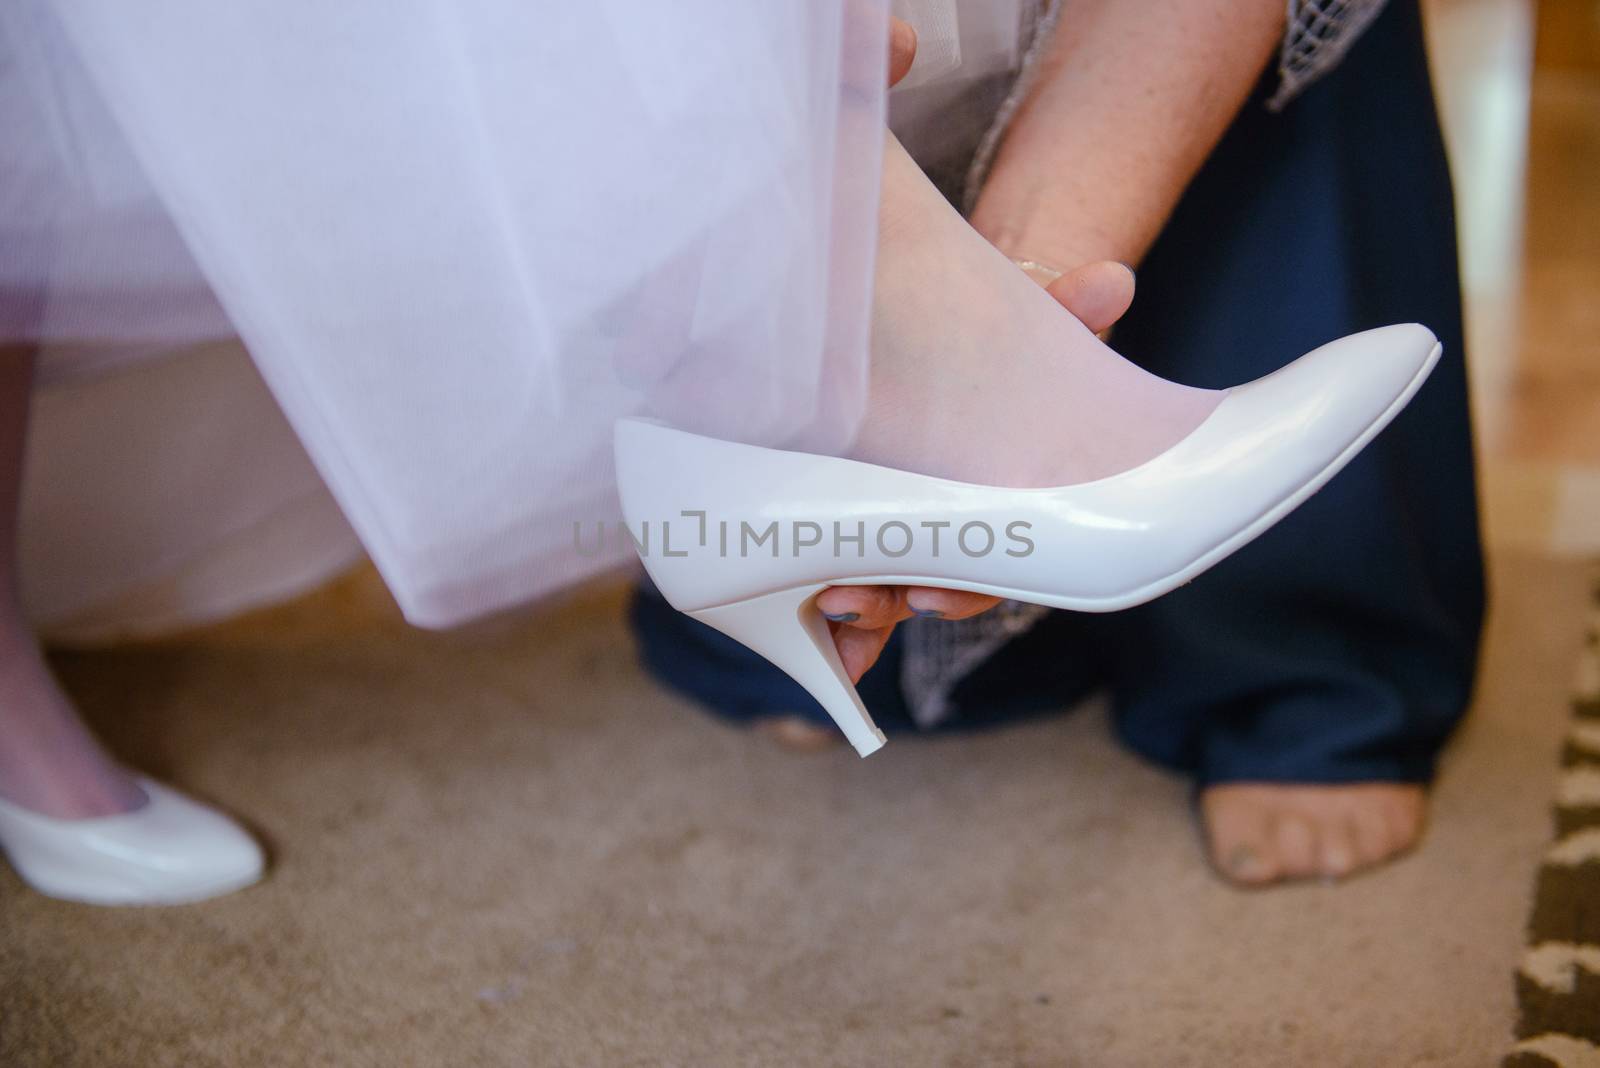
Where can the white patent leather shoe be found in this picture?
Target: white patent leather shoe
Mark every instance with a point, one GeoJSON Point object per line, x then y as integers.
{"type": "Point", "coordinates": [746, 537]}
{"type": "Point", "coordinates": [168, 851]}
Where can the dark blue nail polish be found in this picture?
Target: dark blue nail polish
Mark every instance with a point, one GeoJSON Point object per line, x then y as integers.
{"type": "Point", "coordinates": [928, 613]}
{"type": "Point", "coordinates": [842, 617]}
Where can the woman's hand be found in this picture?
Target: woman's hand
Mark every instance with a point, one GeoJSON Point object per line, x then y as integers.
{"type": "Point", "coordinates": [863, 617]}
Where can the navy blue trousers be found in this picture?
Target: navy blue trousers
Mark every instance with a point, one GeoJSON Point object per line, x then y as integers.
{"type": "Point", "coordinates": [1340, 646]}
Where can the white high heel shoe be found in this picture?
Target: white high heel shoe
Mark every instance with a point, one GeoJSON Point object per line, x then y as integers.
{"type": "Point", "coordinates": [168, 851]}
{"type": "Point", "coordinates": [746, 537]}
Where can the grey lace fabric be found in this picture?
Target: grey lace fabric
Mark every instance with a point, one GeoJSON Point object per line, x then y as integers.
{"type": "Point", "coordinates": [938, 654]}
{"type": "Point", "coordinates": [1039, 20]}
{"type": "Point", "coordinates": [1319, 34]}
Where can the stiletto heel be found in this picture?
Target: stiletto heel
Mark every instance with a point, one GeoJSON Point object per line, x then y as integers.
{"type": "Point", "coordinates": [788, 629]}
{"type": "Point", "coordinates": [770, 529]}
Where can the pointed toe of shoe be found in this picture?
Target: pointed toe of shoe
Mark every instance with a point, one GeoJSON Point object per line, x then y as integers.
{"type": "Point", "coordinates": [171, 850]}
{"type": "Point", "coordinates": [1324, 407]}
{"type": "Point", "coordinates": [1366, 374]}
{"type": "Point", "coordinates": [1392, 357]}
{"type": "Point", "coordinates": [1268, 447]}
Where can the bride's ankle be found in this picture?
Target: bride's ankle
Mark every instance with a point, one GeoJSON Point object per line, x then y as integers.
{"type": "Point", "coordinates": [50, 763]}
{"type": "Point", "coordinates": [64, 775]}
{"type": "Point", "coordinates": [979, 375]}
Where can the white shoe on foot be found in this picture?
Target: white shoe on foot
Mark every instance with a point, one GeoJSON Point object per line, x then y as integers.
{"type": "Point", "coordinates": [169, 851]}
{"type": "Point", "coordinates": [747, 537]}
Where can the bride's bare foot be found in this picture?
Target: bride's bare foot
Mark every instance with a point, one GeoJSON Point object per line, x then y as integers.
{"type": "Point", "coordinates": [1261, 833]}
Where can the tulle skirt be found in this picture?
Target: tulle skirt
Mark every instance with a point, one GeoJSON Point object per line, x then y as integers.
{"type": "Point", "coordinates": [459, 239]}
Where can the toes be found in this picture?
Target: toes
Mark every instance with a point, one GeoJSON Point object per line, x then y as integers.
{"type": "Point", "coordinates": [1249, 861]}
{"type": "Point", "coordinates": [1406, 813]}
{"type": "Point", "coordinates": [947, 604]}
{"type": "Point", "coordinates": [1326, 832]}
{"type": "Point", "coordinates": [1384, 819]}
{"type": "Point", "coordinates": [1375, 838]}
{"type": "Point", "coordinates": [1298, 846]}
{"type": "Point", "coordinates": [1238, 833]}
{"type": "Point", "coordinates": [1338, 852]}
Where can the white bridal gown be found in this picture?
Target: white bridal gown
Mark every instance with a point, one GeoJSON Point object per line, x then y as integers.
{"type": "Point", "coordinates": [458, 238]}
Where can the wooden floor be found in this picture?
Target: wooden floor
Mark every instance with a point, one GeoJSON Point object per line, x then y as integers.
{"type": "Point", "coordinates": [1519, 87]}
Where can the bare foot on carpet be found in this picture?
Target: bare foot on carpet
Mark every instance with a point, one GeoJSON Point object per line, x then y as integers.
{"type": "Point", "coordinates": [1264, 833]}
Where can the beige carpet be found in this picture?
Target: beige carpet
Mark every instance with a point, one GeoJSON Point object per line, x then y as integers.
{"type": "Point", "coordinates": [508, 848]}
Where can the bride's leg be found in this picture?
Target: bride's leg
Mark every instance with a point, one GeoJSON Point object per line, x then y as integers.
{"type": "Point", "coordinates": [49, 762]}
{"type": "Point", "coordinates": [979, 375]}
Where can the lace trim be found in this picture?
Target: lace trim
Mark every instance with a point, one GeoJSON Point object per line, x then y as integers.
{"type": "Point", "coordinates": [1038, 26]}
{"type": "Point", "coordinates": [1318, 35]}
{"type": "Point", "coordinates": [939, 653]}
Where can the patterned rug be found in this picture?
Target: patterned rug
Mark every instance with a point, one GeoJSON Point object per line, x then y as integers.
{"type": "Point", "coordinates": [1558, 985]}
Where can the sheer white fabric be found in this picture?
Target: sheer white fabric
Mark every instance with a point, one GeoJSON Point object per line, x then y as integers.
{"type": "Point", "coordinates": [86, 250]}
{"type": "Point", "coordinates": [459, 239]}
{"type": "Point", "coordinates": [166, 493]}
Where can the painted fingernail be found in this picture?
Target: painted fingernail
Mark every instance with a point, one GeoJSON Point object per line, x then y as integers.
{"type": "Point", "coordinates": [928, 613]}
{"type": "Point", "coordinates": [842, 617]}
